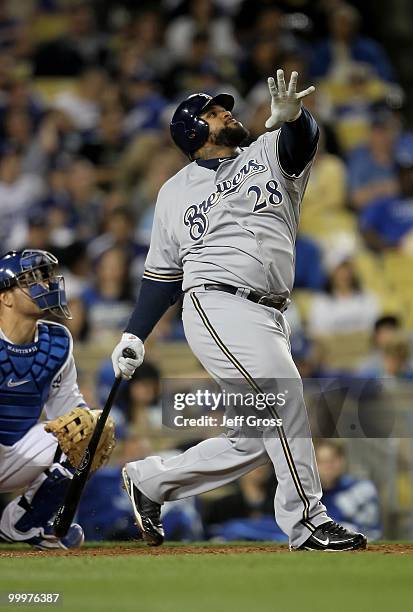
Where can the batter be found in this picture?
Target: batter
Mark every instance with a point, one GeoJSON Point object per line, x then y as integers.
{"type": "Point", "coordinates": [224, 233]}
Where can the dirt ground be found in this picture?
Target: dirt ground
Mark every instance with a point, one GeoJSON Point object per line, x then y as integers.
{"type": "Point", "coordinates": [142, 549]}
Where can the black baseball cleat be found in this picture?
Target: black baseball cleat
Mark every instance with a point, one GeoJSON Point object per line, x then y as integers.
{"type": "Point", "coordinates": [147, 513]}
{"type": "Point", "coordinates": [334, 537]}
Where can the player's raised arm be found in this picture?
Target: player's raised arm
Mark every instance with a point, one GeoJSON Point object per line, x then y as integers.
{"type": "Point", "coordinates": [299, 133]}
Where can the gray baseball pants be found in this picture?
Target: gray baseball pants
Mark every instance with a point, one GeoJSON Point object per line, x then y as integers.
{"type": "Point", "coordinates": [234, 339]}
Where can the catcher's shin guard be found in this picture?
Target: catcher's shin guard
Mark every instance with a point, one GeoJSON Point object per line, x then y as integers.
{"type": "Point", "coordinates": [24, 516]}
{"type": "Point", "coordinates": [44, 502]}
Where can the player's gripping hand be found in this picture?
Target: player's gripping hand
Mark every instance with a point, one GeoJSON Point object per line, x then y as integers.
{"type": "Point", "coordinates": [285, 103]}
{"type": "Point", "coordinates": [126, 366]}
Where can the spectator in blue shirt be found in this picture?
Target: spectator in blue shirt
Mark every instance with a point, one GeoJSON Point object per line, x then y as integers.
{"type": "Point", "coordinates": [107, 300]}
{"type": "Point", "coordinates": [395, 359]}
{"type": "Point", "coordinates": [244, 512]}
{"type": "Point", "coordinates": [119, 231]}
{"type": "Point", "coordinates": [385, 329]}
{"type": "Point", "coordinates": [146, 104]}
{"type": "Point", "coordinates": [309, 273]}
{"type": "Point", "coordinates": [388, 222]}
{"type": "Point", "coordinates": [371, 170]}
{"type": "Point", "coordinates": [333, 57]}
{"type": "Point", "coordinates": [350, 501]}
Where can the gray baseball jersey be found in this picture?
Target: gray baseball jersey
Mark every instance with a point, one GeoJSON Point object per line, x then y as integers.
{"type": "Point", "coordinates": [236, 226]}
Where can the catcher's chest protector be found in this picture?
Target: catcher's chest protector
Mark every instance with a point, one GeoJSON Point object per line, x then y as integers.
{"type": "Point", "coordinates": [26, 374]}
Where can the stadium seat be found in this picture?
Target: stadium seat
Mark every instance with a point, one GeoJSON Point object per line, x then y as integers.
{"type": "Point", "coordinates": [344, 351]}
{"type": "Point", "coordinates": [302, 299]}
{"type": "Point", "coordinates": [324, 224]}
{"type": "Point", "coordinates": [397, 269]}
{"type": "Point", "coordinates": [46, 27]}
{"type": "Point", "coordinates": [49, 87]}
{"type": "Point", "coordinates": [173, 358]}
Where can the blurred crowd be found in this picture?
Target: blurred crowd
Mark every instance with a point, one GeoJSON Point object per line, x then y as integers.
{"type": "Point", "coordinates": [86, 93]}
{"type": "Point", "coordinates": [87, 90]}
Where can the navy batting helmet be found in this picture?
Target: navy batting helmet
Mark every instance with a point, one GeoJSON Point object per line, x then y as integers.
{"type": "Point", "coordinates": [188, 131]}
{"type": "Point", "coordinates": [34, 272]}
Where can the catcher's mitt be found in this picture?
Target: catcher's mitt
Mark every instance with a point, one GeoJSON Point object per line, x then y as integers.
{"type": "Point", "coordinates": [74, 430]}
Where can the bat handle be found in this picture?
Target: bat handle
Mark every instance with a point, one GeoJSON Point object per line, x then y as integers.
{"type": "Point", "coordinates": [129, 352]}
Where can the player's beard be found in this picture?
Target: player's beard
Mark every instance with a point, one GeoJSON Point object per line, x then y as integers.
{"type": "Point", "coordinates": [231, 136]}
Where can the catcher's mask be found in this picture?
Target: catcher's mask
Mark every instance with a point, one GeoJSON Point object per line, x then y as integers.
{"type": "Point", "coordinates": [35, 273]}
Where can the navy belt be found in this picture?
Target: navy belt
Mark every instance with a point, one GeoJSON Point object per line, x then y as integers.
{"type": "Point", "coordinates": [265, 299]}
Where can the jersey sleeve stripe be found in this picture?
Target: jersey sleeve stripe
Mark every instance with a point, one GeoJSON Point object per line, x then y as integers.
{"type": "Point", "coordinates": [166, 278]}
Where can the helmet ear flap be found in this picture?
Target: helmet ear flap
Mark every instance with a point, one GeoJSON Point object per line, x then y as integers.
{"type": "Point", "coordinates": [197, 134]}
{"type": "Point", "coordinates": [189, 132]}
{"type": "Point", "coordinates": [198, 130]}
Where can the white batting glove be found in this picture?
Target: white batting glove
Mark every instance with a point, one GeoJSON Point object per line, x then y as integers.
{"type": "Point", "coordinates": [126, 366]}
{"type": "Point", "coordinates": [285, 104]}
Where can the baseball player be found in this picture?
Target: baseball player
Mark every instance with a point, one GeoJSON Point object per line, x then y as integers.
{"type": "Point", "coordinates": [37, 372]}
{"type": "Point", "coordinates": [224, 233]}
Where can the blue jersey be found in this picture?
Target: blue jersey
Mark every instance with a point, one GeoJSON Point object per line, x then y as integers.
{"type": "Point", "coordinates": [391, 218]}
{"type": "Point", "coordinates": [355, 504]}
{"type": "Point", "coordinates": [33, 377]}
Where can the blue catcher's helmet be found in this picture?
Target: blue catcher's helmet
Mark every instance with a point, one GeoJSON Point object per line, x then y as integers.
{"type": "Point", "coordinates": [188, 131]}
{"type": "Point", "coordinates": [34, 272]}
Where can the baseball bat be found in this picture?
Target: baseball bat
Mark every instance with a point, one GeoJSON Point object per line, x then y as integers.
{"type": "Point", "coordinates": [67, 510]}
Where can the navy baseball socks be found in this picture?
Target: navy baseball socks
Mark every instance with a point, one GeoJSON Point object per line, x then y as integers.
{"type": "Point", "coordinates": [331, 537]}
{"type": "Point", "coordinates": [147, 513]}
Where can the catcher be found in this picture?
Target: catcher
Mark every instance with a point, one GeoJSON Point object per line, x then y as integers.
{"type": "Point", "coordinates": [37, 372]}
